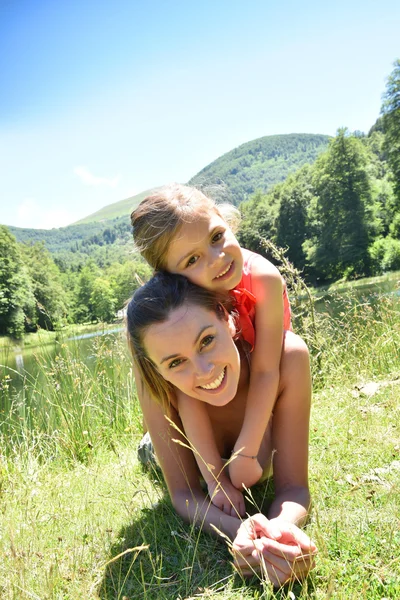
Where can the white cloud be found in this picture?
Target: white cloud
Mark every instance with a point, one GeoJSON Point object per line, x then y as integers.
{"type": "Point", "coordinates": [31, 215]}
{"type": "Point", "coordinates": [89, 179]}
{"type": "Point", "coordinates": [56, 218]}
{"type": "Point", "coordinates": [27, 209]}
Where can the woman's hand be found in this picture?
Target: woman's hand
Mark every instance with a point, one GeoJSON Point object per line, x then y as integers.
{"type": "Point", "coordinates": [226, 497]}
{"type": "Point", "coordinates": [275, 549]}
{"type": "Point", "coordinates": [244, 471]}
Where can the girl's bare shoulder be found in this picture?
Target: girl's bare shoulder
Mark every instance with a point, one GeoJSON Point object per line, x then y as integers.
{"type": "Point", "coordinates": [264, 273]}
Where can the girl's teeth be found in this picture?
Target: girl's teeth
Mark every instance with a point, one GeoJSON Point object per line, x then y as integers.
{"type": "Point", "coordinates": [215, 384]}
{"type": "Point", "coordinates": [221, 274]}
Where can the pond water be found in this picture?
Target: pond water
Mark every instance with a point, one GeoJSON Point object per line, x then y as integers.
{"type": "Point", "coordinates": [22, 363]}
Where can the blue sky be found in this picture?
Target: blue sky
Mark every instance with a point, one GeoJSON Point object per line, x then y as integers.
{"type": "Point", "coordinates": [100, 100]}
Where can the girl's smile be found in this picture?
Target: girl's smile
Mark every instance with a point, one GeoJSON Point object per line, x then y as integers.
{"type": "Point", "coordinates": [194, 350]}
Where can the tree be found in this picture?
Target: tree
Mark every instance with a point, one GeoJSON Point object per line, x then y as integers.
{"type": "Point", "coordinates": [17, 302]}
{"type": "Point", "coordinates": [258, 219]}
{"type": "Point", "coordinates": [84, 307]}
{"type": "Point", "coordinates": [125, 278]}
{"type": "Point", "coordinates": [292, 221]}
{"type": "Point", "coordinates": [103, 300]}
{"type": "Point", "coordinates": [342, 216]}
{"type": "Point", "coordinates": [391, 124]}
{"type": "Point", "coordinates": [51, 304]}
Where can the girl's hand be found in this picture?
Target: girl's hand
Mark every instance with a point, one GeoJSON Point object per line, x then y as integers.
{"type": "Point", "coordinates": [274, 549]}
{"type": "Point", "coordinates": [227, 498]}
{"type": "Point", "coordinates": [244, 471]}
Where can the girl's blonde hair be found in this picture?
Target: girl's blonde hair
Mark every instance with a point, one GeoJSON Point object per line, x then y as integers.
{"type": "Point", "coordinates": [153, 303]}
{"type": "Point", "coordinates": [159, 217]}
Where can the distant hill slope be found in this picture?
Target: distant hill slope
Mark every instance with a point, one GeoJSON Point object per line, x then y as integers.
{"type": "Point", "coordinates": [72, 236]}
{"type": "Point", "coordinates": [261, 163]}
{"type": "Point", "coordinates": [117, 209]}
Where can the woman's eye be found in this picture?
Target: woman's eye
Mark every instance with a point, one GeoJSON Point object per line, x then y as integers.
{"type": "Point", "coordinates": [217, 237]}
{"type": "Point", "coordinates": [207, 340]}
{"type": "Point", "coordinates": [175, 363]}
{"type": "Point", "coordinates": [192, 260]}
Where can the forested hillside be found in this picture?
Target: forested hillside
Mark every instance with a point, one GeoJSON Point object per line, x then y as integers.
{"type": "Point", "coordinates": [260, 164]}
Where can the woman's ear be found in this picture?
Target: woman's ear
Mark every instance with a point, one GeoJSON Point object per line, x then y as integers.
{"type": "Point", "coordinates": [232, 326]}
{"type": "Point", "coordinates": [229, 318]}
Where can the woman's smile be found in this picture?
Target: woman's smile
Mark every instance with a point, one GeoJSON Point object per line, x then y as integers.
{"type": "Point", "coordinates": [216, 384]}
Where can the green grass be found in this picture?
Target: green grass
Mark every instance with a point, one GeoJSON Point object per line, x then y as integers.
{"type": "Point", "coordinates": [80, 519]}
{"type": "Point", "coordinates": [392, 278]}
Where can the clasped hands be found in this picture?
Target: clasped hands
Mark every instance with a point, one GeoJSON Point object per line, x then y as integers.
{"type": "Point", "coordinates": [274, 549]}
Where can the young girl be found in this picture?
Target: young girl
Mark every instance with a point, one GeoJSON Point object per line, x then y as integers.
{"type": "Point", "coordinates": [180, 230]}
{"type": "Point", "coordinates": [181, 338]}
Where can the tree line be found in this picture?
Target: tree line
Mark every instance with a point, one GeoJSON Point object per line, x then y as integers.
{"type": "Point", "coordinates": [340, 217]}
{"type": "Point", "coordinates": [37, 293]}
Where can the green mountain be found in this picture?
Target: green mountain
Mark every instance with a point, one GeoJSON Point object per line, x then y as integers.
{"type": "Point", "coordinates": [117, 209]}
{"type": "Point", "coordinates": [255, 165]}
{"type": "Point", "coordinates": [260, 164]}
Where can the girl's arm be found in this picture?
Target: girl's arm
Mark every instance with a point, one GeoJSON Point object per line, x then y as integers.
{"type": "Point", "coordinates": [198, 430]}
{"type": "Point", "coordinates": [287, 551]}
{"type": "Point", "coordinates": [264, 371]}
{"type": "Point", "coordinates": [179, 468]}
{"type": "Point", "coordinates": [290, 428]}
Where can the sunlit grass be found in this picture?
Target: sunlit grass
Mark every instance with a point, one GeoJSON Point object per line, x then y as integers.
{"type": "Point", "coordinates": [80, 519]}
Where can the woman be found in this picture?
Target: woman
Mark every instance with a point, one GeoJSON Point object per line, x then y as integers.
{"type": "Point", "coordinates": [182, 337]}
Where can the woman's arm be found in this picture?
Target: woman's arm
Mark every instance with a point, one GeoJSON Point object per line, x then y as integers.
{"type": "Point", "coordinates": [264, 371]}
{"type": "Point", "coordinates": [179, 468]}
{"type": "Point", "coordinates": [199, 432]}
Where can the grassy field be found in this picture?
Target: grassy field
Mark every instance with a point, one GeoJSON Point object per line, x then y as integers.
{"type": "Point", "coordinates": [80, 519]}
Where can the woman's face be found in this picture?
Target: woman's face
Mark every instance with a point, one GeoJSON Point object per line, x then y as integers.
{"type": "Point", "coordinates": [194, 350]}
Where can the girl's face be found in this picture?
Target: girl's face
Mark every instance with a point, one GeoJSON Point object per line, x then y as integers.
{"type": "Point", "coordinates": [194, 350]}
{"type": "Point", "coordinates": [206, 252]}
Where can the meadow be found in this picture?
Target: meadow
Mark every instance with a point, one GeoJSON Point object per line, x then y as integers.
{"type": "Point", "coordinates": [81, 519]}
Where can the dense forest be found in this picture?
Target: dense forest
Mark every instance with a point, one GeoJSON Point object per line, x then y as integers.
{"type": "Point", "coordinates": [338, 215]}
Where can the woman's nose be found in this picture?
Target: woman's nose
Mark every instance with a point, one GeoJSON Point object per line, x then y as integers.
{"type": "Point", "coordinates": [204, 367]}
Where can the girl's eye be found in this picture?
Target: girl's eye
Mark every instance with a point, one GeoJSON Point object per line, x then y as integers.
{"type": "Point", "coordinates": [217, 237]}
{"type": "Point", "coordinates": [207, 340]}
{"type": "Point", "coordinates": [192, 260]}
{"type": "Point", "coordinates": [175, 363]}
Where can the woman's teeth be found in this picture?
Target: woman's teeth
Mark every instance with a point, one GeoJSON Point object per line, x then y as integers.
{"type": "Point", "coordinates": [224, 272]}
{"type": "Point", "coordinates": [215, 384]}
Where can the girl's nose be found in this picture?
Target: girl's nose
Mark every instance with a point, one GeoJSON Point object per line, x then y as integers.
{"type": "Point", "coordinates": [214, 256]}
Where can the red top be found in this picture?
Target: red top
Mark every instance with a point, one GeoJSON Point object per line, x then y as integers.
{"type": "Point", "coordinates": [245, 301]}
